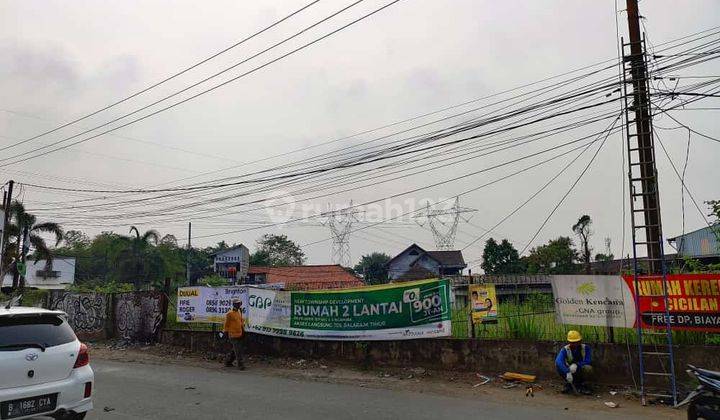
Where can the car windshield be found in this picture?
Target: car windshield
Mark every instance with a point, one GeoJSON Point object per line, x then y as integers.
{"type": "Point", "coordinates": [39, 331]}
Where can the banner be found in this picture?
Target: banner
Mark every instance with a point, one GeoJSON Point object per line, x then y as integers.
{"type": "Point", "coordinates": [483, 303]}
{"type": "Point", "coordinates": [603, 301]}
{"type": "Point", "coordinates": [208, 304]}
{"type": "Point", "coordinates": [693, 301]}
{"type": "Point", "coordinates": [389, 312]}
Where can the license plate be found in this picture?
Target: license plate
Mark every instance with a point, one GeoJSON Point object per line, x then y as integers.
{"type": "Point", "coordinates": [28, 406]}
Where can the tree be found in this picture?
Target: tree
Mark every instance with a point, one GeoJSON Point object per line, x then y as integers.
{"type": "Point", "coordinates": [138, 257]}
{"type": "Point", "coordinates": [714, 209]}
{"type": "Point", "coordinates": [374, 268]}
{"type": "Point", "coordinates": [278, 250]}
{"type": "Point", "coordinates": [21, 220]}
{"type": "Point", "coordinates": [555, 257]}
{"type": "Point", "coordinates": [76, 239]}
{"type": "Point", "coordinates": [501, 258]}
{"type": "Point", "coordinates": [582, 230]}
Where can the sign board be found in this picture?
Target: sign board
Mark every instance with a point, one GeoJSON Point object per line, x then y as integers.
{"type": "Point", "coordinates": [483, 303]}
{"type": "Point", "coordinates": [400, 311]}
{"type": "Point", "coordinates": [693, 301]}
{"type": "Point", "coordinates": [208, 304]}
{"type": "Point", "coordinates": [593, 300]}
{"type": "Point", "coordinates": [418, 309]}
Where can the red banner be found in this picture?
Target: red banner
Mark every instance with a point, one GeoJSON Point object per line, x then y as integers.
{"type": "Point", "coordinates": [693, 301]}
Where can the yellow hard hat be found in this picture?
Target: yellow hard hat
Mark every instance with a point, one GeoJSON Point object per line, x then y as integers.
{"type": "Point", "coordinates": [574, 336]}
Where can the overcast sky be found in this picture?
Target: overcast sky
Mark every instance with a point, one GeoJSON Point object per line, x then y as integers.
{"type": "Point", "coordinates": [60, 60]}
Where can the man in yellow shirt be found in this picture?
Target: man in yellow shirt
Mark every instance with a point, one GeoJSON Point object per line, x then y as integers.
{"type": "Point", "coordinates": [233, 328]}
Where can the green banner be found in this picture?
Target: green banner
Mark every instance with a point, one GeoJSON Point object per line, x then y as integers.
{"type": "Point", "coordinates": [391, 306]}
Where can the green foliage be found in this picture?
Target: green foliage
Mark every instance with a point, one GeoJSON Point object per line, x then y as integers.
{"type": "Point", "coordinates": [213, 280]}
{"type": "Point", "coordinates": [501, 258]}
{"type": "Point", "coordinates": [21, 220]}
{"type": "Point", "coordinates": [556, 257]}
{"type": "Point", "coordinates": [373, 267]}
{"type": "Point", "coordinates": [582, 230]}
{"type": "Point", "coordinates": [99, 287]}
{"type": "Point", "coordinates": [277, 250]}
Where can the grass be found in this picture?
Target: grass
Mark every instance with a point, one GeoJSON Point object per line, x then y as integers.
{"type": "Point", "coordinates": [533, 319]}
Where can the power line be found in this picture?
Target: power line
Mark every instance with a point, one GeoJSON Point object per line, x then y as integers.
{"type": "Point", "coordinates": [167, 79]}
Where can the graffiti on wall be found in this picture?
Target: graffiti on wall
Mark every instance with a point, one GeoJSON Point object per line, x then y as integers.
{"type": "Point", "coordinates": [138, 316]}
{"type": "Point", "coordinates": [87, 312]}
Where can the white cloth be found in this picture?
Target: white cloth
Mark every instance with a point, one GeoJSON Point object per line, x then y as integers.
{"type": "Point", "coordinates": [573, 368]}
{"type": "Point", "coordinates": [569, 377]}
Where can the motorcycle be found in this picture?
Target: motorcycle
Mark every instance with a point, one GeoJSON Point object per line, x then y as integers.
{"type": "Point", "coordinates": [704, 401]}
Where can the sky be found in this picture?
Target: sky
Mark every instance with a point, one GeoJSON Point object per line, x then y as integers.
{"type": "Point", "coordinates": [62, 60]}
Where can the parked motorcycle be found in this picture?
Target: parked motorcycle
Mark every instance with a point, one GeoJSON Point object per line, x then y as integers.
{"type": "Point", "coordinates": [704, 401]}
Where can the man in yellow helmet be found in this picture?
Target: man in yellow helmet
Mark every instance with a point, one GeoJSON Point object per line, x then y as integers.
{"type": "Point", "coordinates": [573, 363]}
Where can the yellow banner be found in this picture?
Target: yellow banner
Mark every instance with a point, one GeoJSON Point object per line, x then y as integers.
{"type": "Point", "coordinates": [483, 303]}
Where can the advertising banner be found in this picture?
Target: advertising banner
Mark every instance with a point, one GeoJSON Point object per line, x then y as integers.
{"type": "Point", "coordinates": [693, 301]}
{"type": "Point", "coordinates": [208, 304]}
{"type": "Point", "coordinates": [389, 312]}
{"type": "Point", "coordinates": [593, 300]}
{"type": "Point", "coordinates": [483, 303]}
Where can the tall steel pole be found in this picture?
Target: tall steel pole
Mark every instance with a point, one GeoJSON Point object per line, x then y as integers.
{"type": "Point", "coordinates": [645, 144]}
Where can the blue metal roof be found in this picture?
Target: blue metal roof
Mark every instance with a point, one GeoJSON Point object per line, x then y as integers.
{"type": "Point", "coordinates": [700, 243]}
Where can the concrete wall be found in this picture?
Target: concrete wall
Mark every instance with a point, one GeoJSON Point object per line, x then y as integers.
{"type": "Point", "coordinates": [611, 361]}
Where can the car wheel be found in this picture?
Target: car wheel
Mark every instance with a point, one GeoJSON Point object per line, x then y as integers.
{"type": "Point", "coordinates": [71, 416]}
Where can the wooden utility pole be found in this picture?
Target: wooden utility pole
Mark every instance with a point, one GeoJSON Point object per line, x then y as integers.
{"type": "Point", "coordinates": [647, 181]}
{"type": "Point", "coordinates": [187, 258]}
{"type": "Point", "coordinates": [7, 199]}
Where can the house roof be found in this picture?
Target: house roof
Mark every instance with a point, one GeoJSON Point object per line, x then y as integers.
{"type": "Point", "coordinates": [309, 277]}
{"type": "Point", "coordinates": [448, 258]}
{"type": "Point", "coordinates": [444, 258]}
{"type": "Point", "coordinates": [422, 251]}
{"type": "Point", "coordinates": [223, 251]}
{"type": "Point", "coordinates": [416, 273]}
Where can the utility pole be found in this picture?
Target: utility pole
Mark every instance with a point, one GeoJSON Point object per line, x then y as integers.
{"type": "Point", "coordinates": [644, 147]}
{"type": "Point", "coordinates": [7, 199]}
{"type": "Point", "coordinates": [21, 267]}
{"type": "Point", "coordinates": [187, 258]}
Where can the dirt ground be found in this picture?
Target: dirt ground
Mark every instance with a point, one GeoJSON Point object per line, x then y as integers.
{"type": "Point", "coordinates": [447, 383]}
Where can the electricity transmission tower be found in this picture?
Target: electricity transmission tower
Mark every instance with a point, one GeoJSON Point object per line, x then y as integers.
{"type": "Point", "coordinates": [443, 223]}
{"type": "Point", "coordinates": [340, 223]}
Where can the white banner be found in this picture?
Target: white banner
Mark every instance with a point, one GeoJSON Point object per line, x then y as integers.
{"type": "Point", "coordinates": [603, 301]}
{"type": "Point", "coordinates": [208, 304]}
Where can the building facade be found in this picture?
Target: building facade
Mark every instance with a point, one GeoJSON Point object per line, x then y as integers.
{"type": "Point", "coordinates": [232, 263]}
{"type": "Point", "coordinates": [60, 276]}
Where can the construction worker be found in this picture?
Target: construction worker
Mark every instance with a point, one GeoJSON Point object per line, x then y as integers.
{"type": "Point", "coordinates": [573, 364]}
{"type": "Point", "coordinates": [233, 328]}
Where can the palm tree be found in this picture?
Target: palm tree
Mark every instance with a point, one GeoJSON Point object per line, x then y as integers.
{"type": "Point", "coordinates": [20, 220]}
{"type": "Point", "coordinates": [138, 252]}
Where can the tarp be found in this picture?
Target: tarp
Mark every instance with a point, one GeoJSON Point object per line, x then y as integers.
{"type": "Point", "coordinates": [418, 309]}
{"type": "Point", "coordinates": [593, 300]}
{"type": "Point", "coordinates": [693, 301]}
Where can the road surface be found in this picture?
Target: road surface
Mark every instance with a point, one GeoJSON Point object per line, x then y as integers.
{"type": "Point", "coordinates": [127, 390]}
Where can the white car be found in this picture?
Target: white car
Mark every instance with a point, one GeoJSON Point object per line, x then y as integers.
{"type": "Point", "coordinates": [44, 368]}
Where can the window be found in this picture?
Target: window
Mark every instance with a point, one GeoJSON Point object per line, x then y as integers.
{"type": "Point", "coordinates": [414, 252]}
{"type": "Point", "coordinates": [46, 330]}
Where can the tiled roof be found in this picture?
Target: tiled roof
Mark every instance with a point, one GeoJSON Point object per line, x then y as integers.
{"type": "Point", "coordinates": [309, 277]}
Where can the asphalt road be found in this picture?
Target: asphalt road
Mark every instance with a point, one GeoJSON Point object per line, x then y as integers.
{"type": "Point", "coordinates": [151, 391]}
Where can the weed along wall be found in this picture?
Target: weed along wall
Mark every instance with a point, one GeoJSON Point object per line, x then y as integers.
{"type": "Point", "coordinates": [611, 361]}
